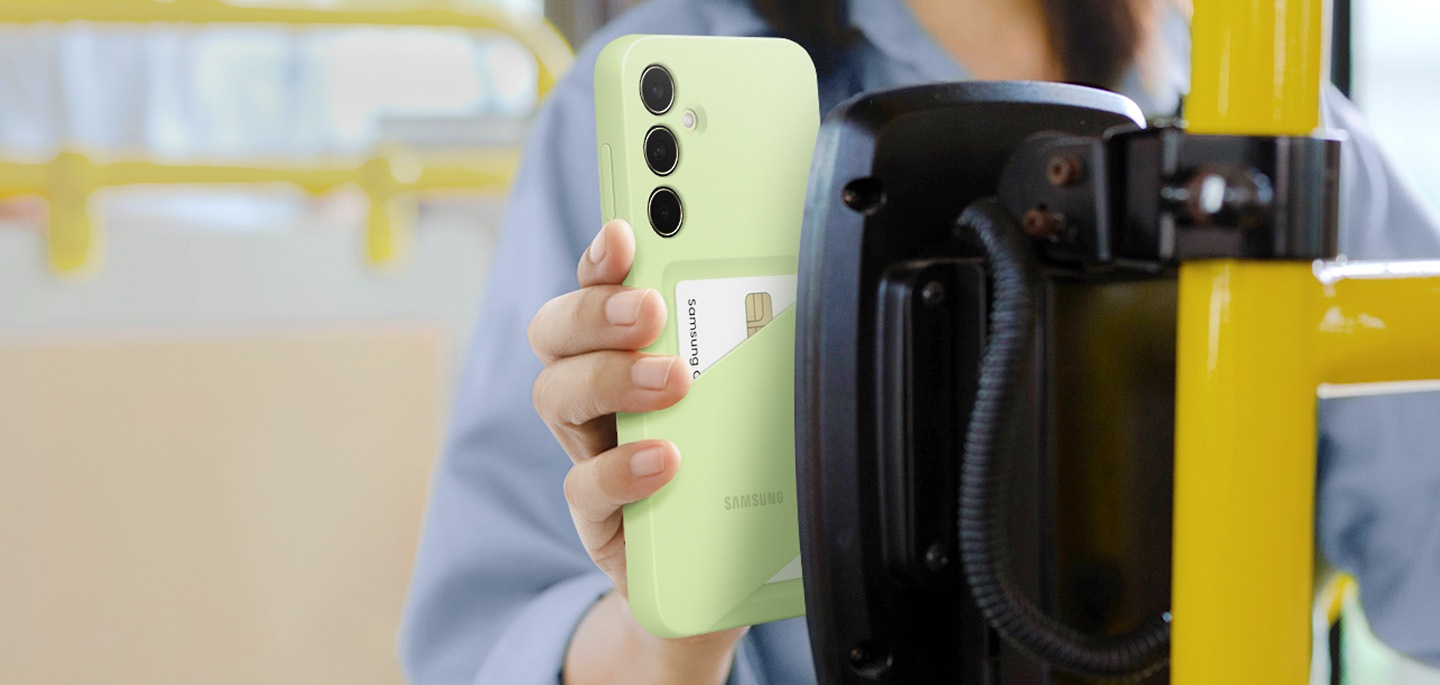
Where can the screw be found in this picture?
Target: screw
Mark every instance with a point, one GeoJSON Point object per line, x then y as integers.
{"type": "Point", "coordinates": [870, 659]}
{"type": "Point", "coordinates": [1227, 196]}
{"type": "Point", "coordinates": [933, 294]}
{"type": "Point", "coordinates": [1039, 223]}
{"type": "Point", "coordinates": [1207, 194]}
{"type": "Point", "coordinates": [1064, 170]}
{"type": "Point", "coordinates": [936, 558]}
{"type": "Point", "coordinates": [864, 195]}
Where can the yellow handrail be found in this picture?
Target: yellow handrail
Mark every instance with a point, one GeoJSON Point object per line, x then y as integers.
{"type": "Point", "coordinates": [1256, 340]}
{"type": "Point", "coordinates": [1245, 384]}
{"type": "Point", "coordinates": [389, 178]}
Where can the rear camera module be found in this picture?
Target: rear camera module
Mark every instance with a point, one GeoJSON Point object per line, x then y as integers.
{"type": "Point", "coordinates": [665, 212]}
{"type": "Point", "coordinates": [657, 90]}
{"type": "Point", "coordinates": [662, 152]}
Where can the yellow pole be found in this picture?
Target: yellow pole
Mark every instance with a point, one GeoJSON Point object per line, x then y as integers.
{"type": "Point", "coordinates": [1244, 474]}
{"type": "Point", "coordinates": [1257, 67]}
{"type": "Point", "coordinates": [1246, 378]}
{"type": "Point", "coordinates": [74, 244]}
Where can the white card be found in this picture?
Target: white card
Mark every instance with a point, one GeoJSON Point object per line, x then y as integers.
{"type": "Point", "coordinates": [790, 572]}
{"type": "Point", "coordinates": [715, 315]}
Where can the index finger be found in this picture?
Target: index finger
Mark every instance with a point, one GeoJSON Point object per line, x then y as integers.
{"type": "Point", "coordinates": [607, 260]}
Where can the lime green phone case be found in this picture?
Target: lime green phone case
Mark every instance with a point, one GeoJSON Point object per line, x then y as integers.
{"type": "Point", "coordinates": [701, 550]}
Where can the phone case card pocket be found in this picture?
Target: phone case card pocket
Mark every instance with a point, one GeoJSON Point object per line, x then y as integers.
{"type": "Point", "coordinates": [728, 518]}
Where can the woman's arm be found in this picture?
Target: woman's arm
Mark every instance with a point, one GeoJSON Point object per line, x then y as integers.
{"type": "Point", "coordinates": [610, 646]}
{"type": "Point", "coordinates": [502, 580]}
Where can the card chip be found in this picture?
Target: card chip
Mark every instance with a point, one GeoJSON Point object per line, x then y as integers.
{"type": "Point", "coordinates": [758, 312]}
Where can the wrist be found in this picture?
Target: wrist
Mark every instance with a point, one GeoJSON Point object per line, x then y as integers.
{"type": "Point", "coordinates": [697, 659]}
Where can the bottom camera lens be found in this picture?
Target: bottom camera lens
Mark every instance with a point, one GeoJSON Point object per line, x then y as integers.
{"type": "Point", "coordinates": [665, 212]}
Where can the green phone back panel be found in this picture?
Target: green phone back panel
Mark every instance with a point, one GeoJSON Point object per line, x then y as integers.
{"type": "Point", "coordinates": [701, 550]}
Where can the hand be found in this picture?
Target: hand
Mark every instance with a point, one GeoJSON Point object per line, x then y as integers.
{"type": "Point", "coordinates": [588, 340]}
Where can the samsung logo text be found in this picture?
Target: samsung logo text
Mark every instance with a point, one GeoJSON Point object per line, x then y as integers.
{"type": "Point", "coordinates": [754, 499]}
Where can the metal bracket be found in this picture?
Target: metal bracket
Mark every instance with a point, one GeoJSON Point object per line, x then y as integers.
{"type": "Point", "coordinates": [1149, 199]}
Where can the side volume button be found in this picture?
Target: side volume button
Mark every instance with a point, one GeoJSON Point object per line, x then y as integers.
{"type": "Point", "coordinates": [607, 185]}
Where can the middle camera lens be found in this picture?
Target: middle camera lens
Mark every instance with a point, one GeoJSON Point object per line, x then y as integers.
{"type": "Point", "coordinates": [662, 151]}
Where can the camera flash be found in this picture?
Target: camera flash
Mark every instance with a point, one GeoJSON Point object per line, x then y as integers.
{"type": "Point", "coordinates": [688, 120]}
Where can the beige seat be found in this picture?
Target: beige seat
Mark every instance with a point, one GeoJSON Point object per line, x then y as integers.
{"type": "Point", "coordinates": [214, 455]}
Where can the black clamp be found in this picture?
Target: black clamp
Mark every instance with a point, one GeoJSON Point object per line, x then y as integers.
{"type": "Point", "coordinates": [1149, 199]}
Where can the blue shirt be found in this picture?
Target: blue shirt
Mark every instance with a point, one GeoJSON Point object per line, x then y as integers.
{"type": "Point", "coordinates": [502, 579]}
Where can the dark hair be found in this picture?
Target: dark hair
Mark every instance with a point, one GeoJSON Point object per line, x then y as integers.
{"type": "Point", "coordinates": [1096, 40]}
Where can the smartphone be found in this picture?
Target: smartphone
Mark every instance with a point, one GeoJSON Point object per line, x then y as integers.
{"type": "Point", "coordinates": [705, 146]}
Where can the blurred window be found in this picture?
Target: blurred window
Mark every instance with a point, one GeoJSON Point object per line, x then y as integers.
{"type": "Point", "coordinates": [1397, 84]}
{"type": "Point", "coordinates": [246, 91]}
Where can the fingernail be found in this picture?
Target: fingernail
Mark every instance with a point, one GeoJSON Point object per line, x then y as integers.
{"type": "Point", "coordinates": [652, 372]}
{"type": "Point", "coordinates": [623, 309]}
{"type": "Point", "coordinates": [648, 462]}
{"type": "Point", "coordinates": [596, 253]}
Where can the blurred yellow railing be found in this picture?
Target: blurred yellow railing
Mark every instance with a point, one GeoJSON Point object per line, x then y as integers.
{"type": "Point", "coordinates": [389, 178]}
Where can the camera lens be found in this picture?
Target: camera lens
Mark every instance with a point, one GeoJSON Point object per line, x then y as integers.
{"type": "Point", "coordinates": [657, 90]}
{"type": "Point", "coordinates": [665, 212]}
{"type": "Point", "coordinates": [662, 152]}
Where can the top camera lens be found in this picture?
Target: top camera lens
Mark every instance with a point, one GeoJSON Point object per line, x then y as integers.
{"type": "Point", "coordinates": [657, 89]}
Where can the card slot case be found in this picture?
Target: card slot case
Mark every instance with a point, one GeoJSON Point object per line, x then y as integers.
{"type": "Point", "coordinates": [744, 160]}
{"type": "Point", "coordinates": [736, 436]}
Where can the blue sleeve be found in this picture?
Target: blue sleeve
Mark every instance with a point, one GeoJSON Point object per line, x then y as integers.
{"type": "Point", "coordinates": [1378, 504]}
{"type": "Point", "coordinates": [501, 578]}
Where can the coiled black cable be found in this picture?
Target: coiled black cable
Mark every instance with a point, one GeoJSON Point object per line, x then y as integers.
{"type": "Point", "coordinates": [984, 550]}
